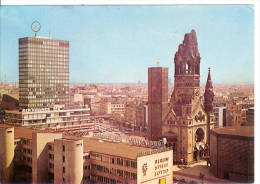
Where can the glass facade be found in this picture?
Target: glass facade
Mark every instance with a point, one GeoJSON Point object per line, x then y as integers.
{"type": "Point", "coordinates": [43, 72]}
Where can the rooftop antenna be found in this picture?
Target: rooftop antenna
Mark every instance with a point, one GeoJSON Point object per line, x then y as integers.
{"type": "Point", "coordinates": [157, 61]}
{"type": "Point", "coordinates": [36, 26]}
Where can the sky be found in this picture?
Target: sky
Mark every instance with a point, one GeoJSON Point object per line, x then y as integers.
{"type": "Point", "coordinates": [117, 44]}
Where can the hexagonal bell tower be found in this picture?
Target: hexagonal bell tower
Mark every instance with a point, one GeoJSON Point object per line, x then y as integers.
{"type": "Point", "coordinates": [185, 125]}
{"type": "Point", "coordinates": [208, 104]}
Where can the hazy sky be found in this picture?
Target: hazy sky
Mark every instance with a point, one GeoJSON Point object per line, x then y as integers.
{"type": "Point", "coordinates": [119, 43]}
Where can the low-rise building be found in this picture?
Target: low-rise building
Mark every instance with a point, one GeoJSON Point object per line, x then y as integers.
{"type": "Point", "coordinates": [220, 116]}
{"type": "Point", "coordinates": [250, 117]}
{"type": "Point", "coordinates": [112, 106]}
{"type": "Point", "coordinates": [40, 156]}
{"type": "Point", "coordinates": [49, 117]}
{"type": "Point", "coordinates": [232, 153]}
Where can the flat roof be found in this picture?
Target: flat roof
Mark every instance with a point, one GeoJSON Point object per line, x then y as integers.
{"type": "Point", "coordinates": [244, 131]}
{"type": "Point", "coordinates": [90, 144]}
{"type": "Point", "coordinates": [111, 148]}
{"type": "Point", "coordinates": [22, 132]}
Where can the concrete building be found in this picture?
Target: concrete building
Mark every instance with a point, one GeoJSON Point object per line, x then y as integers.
{"type": "Point", "coordinates": [56, 117]}
{"type": "Point", "coordinates": [78, 98]}
{"type": "Point", "coordinates": [250, 117]}
{"type": "Point", "coordinates": [232, 153]}
{"type": "Point", "coordinates": [39, 156]}
{"type": "Point", "coordinates": [43, 72]}
{"type": "Point", "coordinates": [9, 102]}
{"type": "Point", "coordinates": [68, 160]}
{"type": "Point", "coordinates": [112, 106]}
{"type": "Point", "coordinates": [140, 115]}
{"type": "Point", "coordinates": [157, 100]}
{"type": "Point", "coordinates": [134, 114]}
{"type": "Point", "coordinates": [237, 111]}
{"type": "Point", "coordinates": [6, 154]}
{"type": "Point", "coordinates": [220, 116]}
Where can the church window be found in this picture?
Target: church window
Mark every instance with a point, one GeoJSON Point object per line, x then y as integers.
{"type": "Point", "coordinates": [196, 118]}
{"type": "Point", "coordinates": [187, 68]}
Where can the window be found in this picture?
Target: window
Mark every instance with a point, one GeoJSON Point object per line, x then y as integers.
{"type": "Point", "coordinates": [63, 147]}
{"type": "Point", "coordinates": [63, 158]}
{"type": "Point", "coordinates": [51, 165]}
{"type": "Point", "coordinates": [49, 147]}
{"type": "Point", "coordinates": [63, 169]}
{"type": "Point", "coordinates": [79, 144]}
{"type": "Point", "coordinates": [113, 160]}
{"type": "Point", "coordinates": [133, 164]}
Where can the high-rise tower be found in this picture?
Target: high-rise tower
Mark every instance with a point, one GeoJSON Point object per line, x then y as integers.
{"type": "Point", "coordinates": [157, 100]}
{"type": "Point", "coordinates": [43, 72]}
{"type": "Point", "coordinates": [185, 125]}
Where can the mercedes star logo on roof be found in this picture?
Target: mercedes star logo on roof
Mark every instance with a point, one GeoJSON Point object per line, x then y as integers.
{"type": "Point", "coordinates": [36, 26]}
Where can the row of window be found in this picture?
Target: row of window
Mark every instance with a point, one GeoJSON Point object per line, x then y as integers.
{"type": "Point", "coordinates": [45, 53]}
{"type": "Point", "coordinates": [26, 159]}
{"type": "Point", "coordinates": [26, 142]}
{"type": "Point", "coordinates": [45, 87]}
{"type": "Point", "coordinates": [35, 71]}
{"type": "Point", "coordinates": [43, 60]}
{"type": "Point", "coordinates": [114, 160]}
{"type": "Point", "coordinates": [43, 68]}
{"type": "Point", "coordinates": [118, 172]}
{"type": "Point", "coordinates": [42, 48]}
{"type": "Point", "coordinates": [34, 42]}
{"type": "Point", "coordinates": [105, 179]}
{"type": "Point", "coordinates": [58, 83]}
{"type": "Point", "coordinates": [27, 150]}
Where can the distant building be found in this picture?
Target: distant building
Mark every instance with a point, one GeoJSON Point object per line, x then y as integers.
{"type": "Point", "coordinates": [235, 114]}
{"type": "Point", "coordinates": [250, 114]}
{"type": "Point", "coordinates": [112, 106]}
{"type": "Point", "coordinates": [43, 72]}
{"type": "Point", "coordinates": [220, 116]}
{"type": "Point", "coordinates": [130, 113]}
{"type": "Point", "coordinates": [146, 115]}
{"type": "Point", "coordinates": [41, 157]}
{"type": "Point", "coordinates": [140, 115]}
{"type": "Point", "coordinates": [157, 100]}
{"type": "Point", "coordinates": [232, 153]}
{"type": "Point", "coordinates": [9, 102]}
{"type": "Point", "coordinates": [78, 98]}
{"type": "Point", "coordinates": [134, 113]}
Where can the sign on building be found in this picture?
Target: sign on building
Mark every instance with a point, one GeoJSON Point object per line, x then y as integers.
{"type": "Point", "coordinates": [155, 167]}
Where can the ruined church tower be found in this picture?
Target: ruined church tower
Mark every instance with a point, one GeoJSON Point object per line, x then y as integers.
{"type": "Point", "coordinates": [186, 123]}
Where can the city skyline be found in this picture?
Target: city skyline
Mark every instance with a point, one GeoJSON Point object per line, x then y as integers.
{"type": "Point", "coordinates": [116, 44]}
